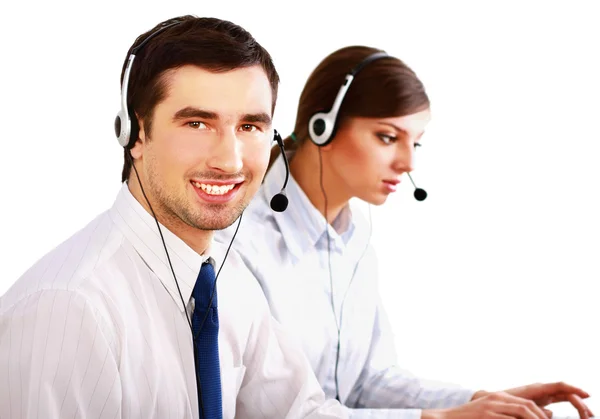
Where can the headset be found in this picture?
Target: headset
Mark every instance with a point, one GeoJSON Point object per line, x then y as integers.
{"type": "Point", "coordinates": [123, 121]}
{"type": "Point", "coordinates": [124, 125]}
{"type": "Point", "coordinates": [322, 126]}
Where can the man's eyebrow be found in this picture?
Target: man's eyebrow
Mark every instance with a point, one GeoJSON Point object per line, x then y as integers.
{"type": "Point", "coordinates": [261, 117]}
{"type": "Point", "coordinates": [191, 112]}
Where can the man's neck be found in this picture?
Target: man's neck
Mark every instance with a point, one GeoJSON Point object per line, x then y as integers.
{"type": "Point", "coordinates": [198, 240]}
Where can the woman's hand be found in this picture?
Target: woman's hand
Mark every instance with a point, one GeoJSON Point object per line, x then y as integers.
{"type": "Point", "coordinates": [525, 402]}
{"type": "Point", "coordinates": [544, 394]}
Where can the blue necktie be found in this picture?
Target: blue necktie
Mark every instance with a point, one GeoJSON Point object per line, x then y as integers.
{"type": "Point", "coordinates": [207, 344]}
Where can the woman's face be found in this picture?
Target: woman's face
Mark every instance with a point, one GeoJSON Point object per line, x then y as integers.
{"type": "Point", "coordinates": [368, 156]}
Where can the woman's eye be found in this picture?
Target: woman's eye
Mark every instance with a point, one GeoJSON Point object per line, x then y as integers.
{"type": "Point", "coordinates": [387, 139]}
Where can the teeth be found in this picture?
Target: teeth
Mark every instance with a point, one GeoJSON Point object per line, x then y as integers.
{"type": "Point", "coordinates": [214, 189]}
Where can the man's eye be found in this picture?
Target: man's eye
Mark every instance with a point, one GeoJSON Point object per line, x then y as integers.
{"type": "Point", "coordinates": [248, 127]}
{"type": "Point", "coordinates": [196, 124]}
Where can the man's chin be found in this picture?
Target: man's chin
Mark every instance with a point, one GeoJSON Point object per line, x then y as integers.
{"type": "Point", "coordinates": [223, 226]}
{"type": "Point", "coordinates": [220, 219]}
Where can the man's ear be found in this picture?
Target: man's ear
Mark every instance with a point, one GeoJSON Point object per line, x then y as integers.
{"type": "Point", "coordinates": [138, 149]}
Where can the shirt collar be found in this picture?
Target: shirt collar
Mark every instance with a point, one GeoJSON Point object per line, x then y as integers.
{"type": "Point", "coordinates": [139, 228]}
{"type": "Point", "coordinates": [301, 212]}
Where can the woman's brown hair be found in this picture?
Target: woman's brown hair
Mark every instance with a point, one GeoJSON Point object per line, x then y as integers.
{"type": "Point", "coordinates": [384, 88]}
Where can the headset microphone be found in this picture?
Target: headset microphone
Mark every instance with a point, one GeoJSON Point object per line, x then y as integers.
{"type": "Point", "coordinates": [420, 194]}
{"type": "Point", "coordinates": [279, 202]}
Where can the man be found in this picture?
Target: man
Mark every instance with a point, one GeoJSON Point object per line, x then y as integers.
{"type": "Point", "coordinates": [100, 326]}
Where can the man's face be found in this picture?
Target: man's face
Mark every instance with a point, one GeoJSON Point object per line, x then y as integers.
{"type": "Point", "coordinates": [208, 148]}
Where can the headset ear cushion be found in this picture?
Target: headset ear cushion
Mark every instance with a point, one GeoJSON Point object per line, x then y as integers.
{"type": "Point", "coordinates": [122, 128]}
{"type": "Point", "coordinates": [118, 126]}
{"type": "Point", "coordinates": [319, 126]}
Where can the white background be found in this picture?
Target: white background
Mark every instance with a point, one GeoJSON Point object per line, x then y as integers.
{"type": "Point", "coordinates": [490, 283]}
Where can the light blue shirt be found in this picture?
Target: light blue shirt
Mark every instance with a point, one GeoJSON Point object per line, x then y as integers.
{"type": "Point", "coordinates": [287, 252]}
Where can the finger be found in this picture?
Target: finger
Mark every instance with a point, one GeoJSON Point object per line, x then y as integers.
{"type": "Point", "coordinates": [589, 411]}
{"type": "Point", "coordinates": [579, 405]}
{"type": "Point", "coordinates": [562, 397]}
{"type": "Point", "coordinates": [561, 387]}
{"type": "Point", "coordinates": [548, 413]}
{"type": "Point", "coordinates": [545, 401]}
{"type": "Point", "coordinates": [557, 398]}
{"type": "Point", "coordinates": [585, 406]}
{"type": "Point", "coordinates": [519, 410]}
{"type": "Point", "coordinates": [496, 415]}
{"type": "Point", "coordinates": [529, 404]}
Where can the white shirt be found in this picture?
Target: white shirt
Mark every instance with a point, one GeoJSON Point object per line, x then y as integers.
{"type": "Point", "coordinates": [287, 252]}
{"type": "Point", "coordinates": [96, 329]}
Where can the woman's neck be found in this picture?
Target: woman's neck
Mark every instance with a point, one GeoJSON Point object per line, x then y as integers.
{"type": "Point", "coordinates": [306, 169]}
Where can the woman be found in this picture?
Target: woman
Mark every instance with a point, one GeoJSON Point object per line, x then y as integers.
{"type": "Point", "coordinates": [360, 118]}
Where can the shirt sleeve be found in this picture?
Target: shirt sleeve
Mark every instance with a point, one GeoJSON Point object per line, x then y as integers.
{"type": "Point", "coordinates": [393, 391]}
{"type": "Point", "coordinates": [56, 360]}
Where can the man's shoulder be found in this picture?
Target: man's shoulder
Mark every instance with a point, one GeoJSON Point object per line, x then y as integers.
{"type": "Point", "coordinates": [67, 266]}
